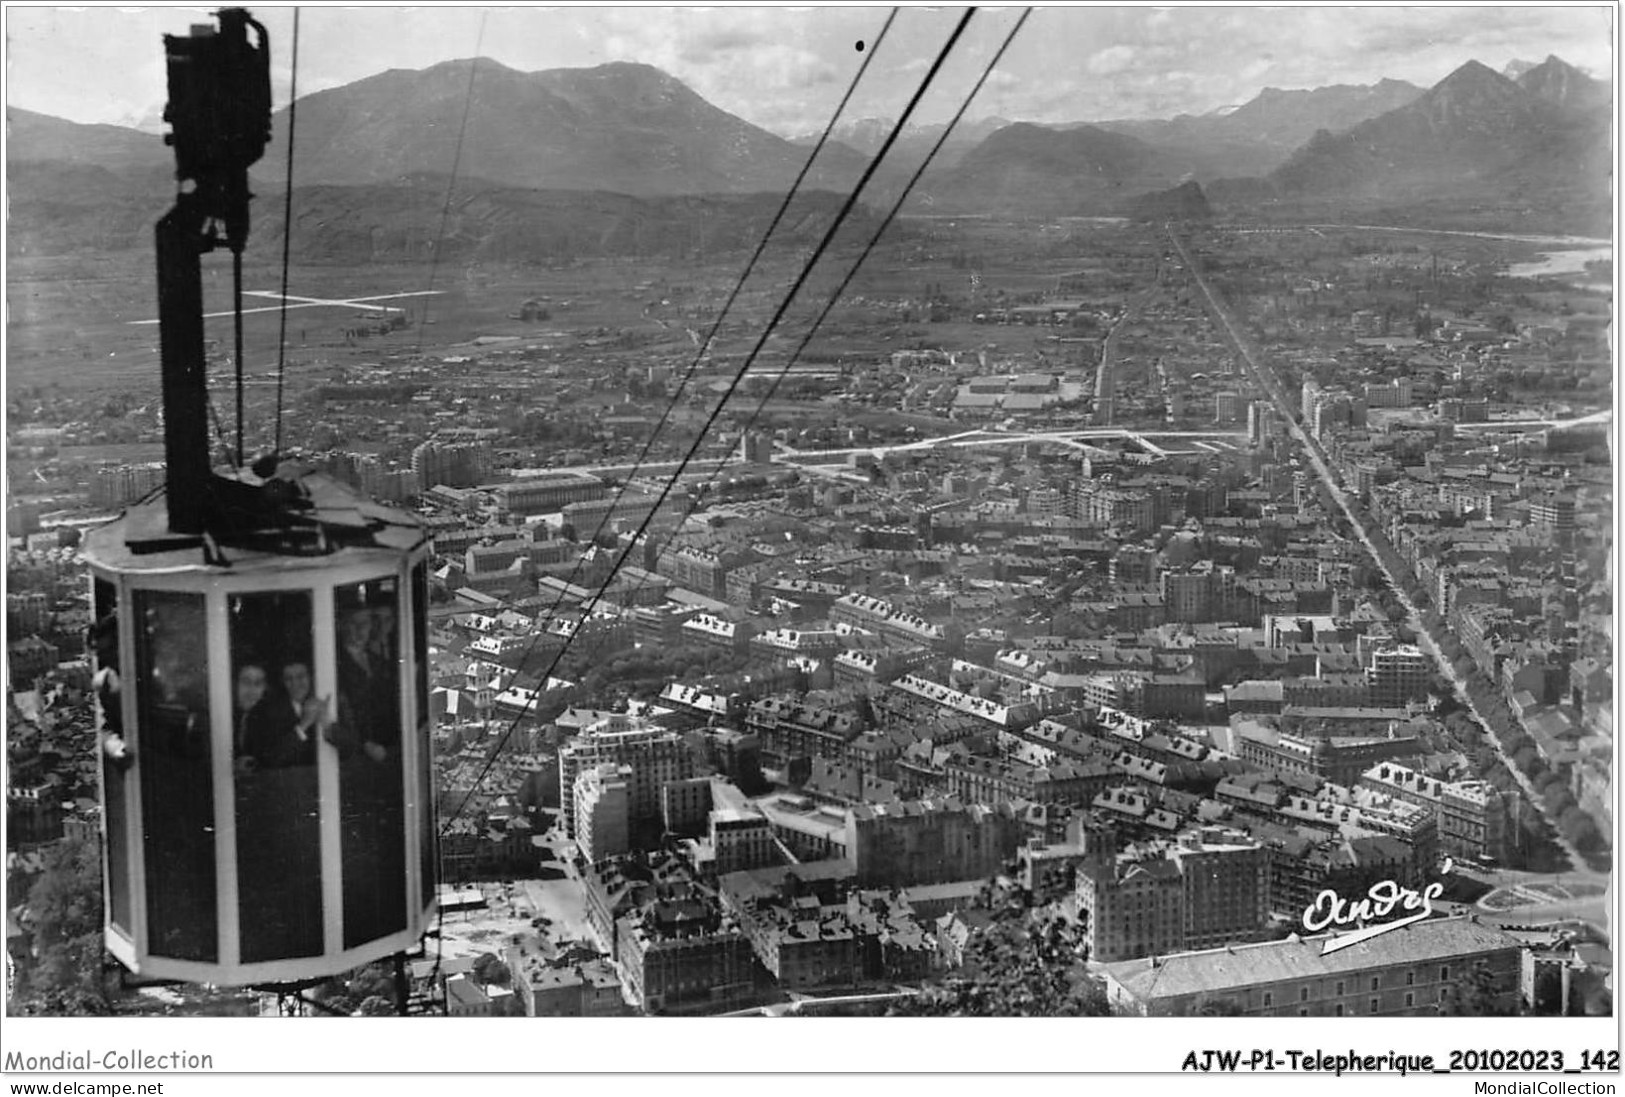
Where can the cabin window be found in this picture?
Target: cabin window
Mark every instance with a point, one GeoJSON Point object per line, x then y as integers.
{"type": "Point", "coordinates": [420, 635]}
{"type": "Point", "coordinates": [372, 801]}
{"type": "Point", "coordinates": [109, 689]}
{"type": "Point", "coordinates": [278, 717]}
{"type": "Point", "coordinates": [177, 781]}
{"type": "Point", "coordinates": [427, 862]}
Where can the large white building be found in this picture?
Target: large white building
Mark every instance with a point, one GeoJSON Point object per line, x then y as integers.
{"type": "Point", "coordinates": [603, 811]}
{"type": "Point", "coordinates": [653, 754]}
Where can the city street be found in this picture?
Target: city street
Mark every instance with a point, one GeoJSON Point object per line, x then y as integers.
{"type": "Point", "coordinates": [1271, 384]}
{"type": "Point", "coordinates": [557, 894]}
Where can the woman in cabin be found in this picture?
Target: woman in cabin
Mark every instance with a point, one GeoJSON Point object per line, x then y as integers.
{"type": "Point", "coordinates": [278, 829]}
{"type": "Point", "coordinates": [251, 715]}
{"type": "Point", "coordinates": [281, 729]}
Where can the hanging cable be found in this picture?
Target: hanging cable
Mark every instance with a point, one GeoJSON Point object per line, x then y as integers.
{"type": "Point", "coordinates": [698, 497]}
{"type": "Point", "coordinates": [451, 184]}
{"type": "Point", "coordinates": [733, 294]}
{"type": "Point", "coordinates": [739, 285]}
{"type": "Point", "coordinates": [287, 231]}
{"type": "Point", "coordinates": [812, 262]}
{"type": "Point", "coordinates": [868, 248]}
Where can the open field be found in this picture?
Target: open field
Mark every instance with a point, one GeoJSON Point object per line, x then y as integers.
{"type": "Point", "coordinates": [75, 321]}
{"type": "Point", "coordinates": [77, 326]}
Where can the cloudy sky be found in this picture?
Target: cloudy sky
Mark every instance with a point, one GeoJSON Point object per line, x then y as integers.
{"type": "Point", "coordinates": [785, 69]}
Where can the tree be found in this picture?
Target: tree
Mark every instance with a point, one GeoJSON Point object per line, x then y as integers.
{"type": "Point", "coordinates": [1028, 962]}
{"type": "Point", "coordinates": [374, 980]}
{"type": "Point", "coordinates": [64, 919]}
{"type": "Point", "coordinates": [376, 1005]}
{"type": "Point", "coordinates": [491, 971]}
{"type": "Point", "coordinates": [1475, 995]}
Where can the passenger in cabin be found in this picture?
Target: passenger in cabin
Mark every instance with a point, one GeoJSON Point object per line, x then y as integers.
{"type": "Point", "coordinates": [383, 638]}
{"type": "Point", "coordinates": [305, 717]}
{"type": "Point", "coordinates": [366, 704]}
{"type": "Point", "coordinates": [103, 644]}
{"type": "Point", "coordinates": [250, 716]}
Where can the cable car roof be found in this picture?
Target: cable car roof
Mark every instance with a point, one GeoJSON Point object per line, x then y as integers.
{"type": "Point", "coordinates": [326, 516]}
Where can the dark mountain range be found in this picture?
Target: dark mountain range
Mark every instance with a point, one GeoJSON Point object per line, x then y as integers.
{"type": "Point", "coordinates": [1474, 138]}
{"type": "Point", "coordinates": [1033, 170]}
{"type": "Point", "coordinates": [32, 136]}
{"type": "Point", "coordinates": [62, 209]}
{"type": "Point", "coordinates": [1535, 149]}
{"type": "Point", "coordinates": [1185, 202]}
{"type": "Point", "coordinates": [1559, 82]}
{"type": "Point", "coordinates": [605, 161]}
{"type": "Point", "coordinates": [1078, 168]}
{"type": "Point", "coordinates": [1286, 119]}
{"type": "Point", "coordinates": [866, 135]}
{"type": "Point", "coordinates": [1261, 133]}
{"type": "Point", "coordinates": [58, 206]}
{"type": "Point", "coordinates": [620, 127]}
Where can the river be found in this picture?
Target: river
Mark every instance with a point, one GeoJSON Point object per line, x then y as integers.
{"type": "Point", "coordinates": [1572, 261]}
{"type": "Point", "coordinates": [1570, 254]}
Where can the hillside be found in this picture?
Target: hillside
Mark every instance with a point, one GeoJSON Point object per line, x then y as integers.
{"type": "Point", "coordinates": [375, 223]}
{"type": "Point", "coordinates": [1033, 170]}
{"type": "Point", "coordinates": [1475, 138]}
{"type": "Point", "coordinates": [624, 128]}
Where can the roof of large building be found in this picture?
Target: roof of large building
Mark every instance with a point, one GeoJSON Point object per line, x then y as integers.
{"type": "Point", "coordinates": [1235, 967]}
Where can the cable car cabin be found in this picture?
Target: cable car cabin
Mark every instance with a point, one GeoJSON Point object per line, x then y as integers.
{"type": "Point", "coordinates": [266, 779]}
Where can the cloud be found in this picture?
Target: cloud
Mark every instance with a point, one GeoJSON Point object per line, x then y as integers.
{"type": "Point", "coordinates": [704, 48]}
{"type": "Point", "coordinates": [1110, 60]}
{"type": "Point", "coordinates": [1258, 68]}
{"type": "Point", "coordinates": [784, 68]}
